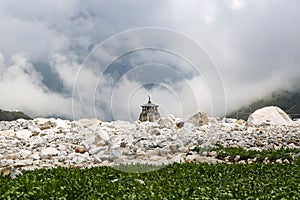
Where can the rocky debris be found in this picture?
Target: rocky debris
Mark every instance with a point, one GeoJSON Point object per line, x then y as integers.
{"type": "Point", "coordinates": [27, 144]}
{"type": "Point", "coordinates": [199, 119]}
{"type": "Point", "coordinates": [270, 115]}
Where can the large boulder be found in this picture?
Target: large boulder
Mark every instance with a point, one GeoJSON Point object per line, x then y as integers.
{"type": "Point", "coordinates": [199, 119]}
{"type": "Point", "coordinates": [270, 115]}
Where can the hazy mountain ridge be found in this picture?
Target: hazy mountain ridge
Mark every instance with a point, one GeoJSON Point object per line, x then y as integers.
{"type": "Point", "coordinates": [12, 115]}
{"type": "Point", "coordinates": [289, 101]}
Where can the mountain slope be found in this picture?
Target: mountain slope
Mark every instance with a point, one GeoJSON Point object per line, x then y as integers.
{"type": "Point", "coordinates": [12, 115]}
{"type": "Point", "coordinates": [289, 101]}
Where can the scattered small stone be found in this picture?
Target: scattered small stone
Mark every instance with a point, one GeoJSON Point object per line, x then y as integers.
{"type": "Point", "coordinates": [5, 171]}
{"type": "Point", "coordinates": [286, 161]}
{"type": "Point", "coordinates": [240, 122]}
{"type": "Point", "coordinates": [115, 180]}
{"type": "Point", "coordinates": [278, 161]}
{"type": "Point", "coordinates": [45, 126]}
{"type": "Point", "coordinates": [292, 142]}
{"type": "Point", "coordinates": [47, 153]}
{"type": "Point", "coordinates": [213, 153]}
{"type": "Point", "coordinates": [237, 158]}
{"type": "Point", "coordinates": [249, 161]}
{"type": "Point", "coordinates": [242, 162]}
{"type": "Point", "coordinates": [179, 123]}
{"type": "Point", "coordinates": [80, 150]}
{"type": "Point", "coordinates": [140, 181]}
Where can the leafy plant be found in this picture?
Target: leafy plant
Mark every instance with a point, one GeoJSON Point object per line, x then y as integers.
{"type": "Point", "coordinates": [271, 154]}
{"type": "Point", "coordinates": [177, 181]}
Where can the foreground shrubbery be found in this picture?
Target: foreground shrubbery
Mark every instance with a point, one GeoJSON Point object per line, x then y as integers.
{"type": "Point", "coordinates": [194, 181]}
{"type": "Point", "coordinates": [272, 155]}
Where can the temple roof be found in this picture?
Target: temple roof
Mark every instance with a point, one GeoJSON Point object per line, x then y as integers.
{"type": "Point", "coordinates": [149, 104]}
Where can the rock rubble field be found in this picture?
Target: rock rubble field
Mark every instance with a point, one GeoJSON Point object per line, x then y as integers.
{"type": "Point", "coordinates": [47, 143]}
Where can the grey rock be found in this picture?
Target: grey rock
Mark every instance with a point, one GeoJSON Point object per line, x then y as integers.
{"type": "Point", "coordinates": [230, 120]}
{"type": "Point", "coordinates": [24, 153]}
{"type": "Point", "coordinates": [35, 156]}
{"type": "Point", "coordinates": [88, 122]}
{"type": "Point", "coordinates": [183, 149]}
{"type": "Point", "coordinates": [173, 148]}
{"type": "Point", "coordinates": [61, 124]}
{"type": "Point", "coordinates": [212, 120]}
{"type": "Point", "coordinates": [94, 150]}
{"type": "Point", "coordinates": [14, 173]}
{"type": "Point", "coordinates": [115, 154]}
{"type": "Point", "coordinates": [168, 122]}
{"type": "Point", "coordinates": [88, 141]}
{"type": "Point", "coordinates": [22, 163]}
{"type": "Point", "coordinates": [104, 135]}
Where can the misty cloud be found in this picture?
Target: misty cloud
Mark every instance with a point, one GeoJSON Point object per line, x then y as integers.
{"type": "Point", "coordinates": [22, 89]}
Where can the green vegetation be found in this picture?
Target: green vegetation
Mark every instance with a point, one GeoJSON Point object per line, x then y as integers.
{"type": "Point", "coordinates": [137, 168]}
{"type": "Point", "coordinates": [177, 181]}
{"type": "Point", "coordinates": [286, 100]}
{"type": "Point", "coordinates": [271, 154]}
{"type": "Point", "coordinates": [10, 116]}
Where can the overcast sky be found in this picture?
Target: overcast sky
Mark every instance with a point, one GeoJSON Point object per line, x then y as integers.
{"type": "Point", "coordinates": [47, 50]}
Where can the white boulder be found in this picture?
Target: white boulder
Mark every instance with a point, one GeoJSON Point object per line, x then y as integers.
{"type": "Point", "coordinates": [270, 115]}
{"type": "Point", "coordinates": [199, 119]}
{"type": "Point", "coordinates": [23, 134]}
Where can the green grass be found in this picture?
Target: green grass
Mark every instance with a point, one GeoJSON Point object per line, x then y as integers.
{"type": "Point", "coordinates": [177, 181]}
{"type": "Point", "coordinates": [271, 154]}
{"type": "Point", "coordinates": [137, 168]}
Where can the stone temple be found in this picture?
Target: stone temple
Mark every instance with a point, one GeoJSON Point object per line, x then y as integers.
{"type": "Point", "coordinates": [149, 112]}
